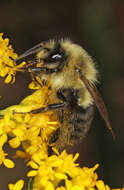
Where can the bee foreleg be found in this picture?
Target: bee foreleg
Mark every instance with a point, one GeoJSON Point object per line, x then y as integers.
{"type": "Point", "coordinates": [34, 79]}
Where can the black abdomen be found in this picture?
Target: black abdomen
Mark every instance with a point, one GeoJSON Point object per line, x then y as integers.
{"type": "Point", "coordinates": [79, 122]}
{"type": "Point", "coordinates": [75, 121]}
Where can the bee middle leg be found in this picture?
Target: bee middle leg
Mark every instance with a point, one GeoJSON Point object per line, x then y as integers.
{"type": "Point", "coordinates": [49, 107]}
{"type": "Point", "coordinates": [53, 106]}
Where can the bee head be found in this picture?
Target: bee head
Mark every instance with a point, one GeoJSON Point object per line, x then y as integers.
{"type": "Point", "coordinates": [59, 57]}
{"type": "Point", "coordinates": [51, 58]}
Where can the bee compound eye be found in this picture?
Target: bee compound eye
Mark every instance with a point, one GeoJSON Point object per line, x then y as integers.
{"type": "Point", "coordinates": [56, 56]}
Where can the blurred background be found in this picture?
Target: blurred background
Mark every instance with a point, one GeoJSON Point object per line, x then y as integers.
{"type": "Point", "coordinates": [98, 26]}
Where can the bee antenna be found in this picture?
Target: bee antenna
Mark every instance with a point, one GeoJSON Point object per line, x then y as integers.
{"type": "Point", "coordinates": [31, 51]}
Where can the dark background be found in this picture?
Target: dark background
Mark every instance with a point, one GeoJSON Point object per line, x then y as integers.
{"type": "Point", "coordinates": [98, 26]}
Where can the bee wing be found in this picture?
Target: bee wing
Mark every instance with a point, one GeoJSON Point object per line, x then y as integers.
{"type": "Point", "coordinates": [97, 100]}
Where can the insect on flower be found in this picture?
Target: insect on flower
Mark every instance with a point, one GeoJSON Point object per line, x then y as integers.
{"type": "Point", "coordinates": [72, 73]}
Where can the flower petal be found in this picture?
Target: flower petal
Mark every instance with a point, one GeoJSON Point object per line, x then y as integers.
{"type": "Point", "coordinates": [8, 163]}
{"type": "Point", "coordinates": [32, 173]}
{"type": "Point", "coordinates": [14, 142]}
{"type": "Point", "coordinates": [19, 185]}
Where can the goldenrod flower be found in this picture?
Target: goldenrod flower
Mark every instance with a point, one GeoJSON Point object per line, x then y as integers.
{"type": "Point", "coordinates": [54, 170]}
{"type": "Point", "coordinates": [7, 162]}
{"type": "Point", "coordinates": [3, 139]}
{"type": "Point", "coordinates": [30, 130]}
{"type": "Point", "coordinates": [18, 186]}
{"type": "Point", "coordinates": [8, 67]}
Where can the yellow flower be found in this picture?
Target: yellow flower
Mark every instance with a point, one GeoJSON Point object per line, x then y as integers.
{"type": "Point", "coordinates": [8, 67]}
{"type": "Point", "coordinates": [32, 131]}
{"type": "Point", "coordinates": [18, 186]}
{"type": "Point", "coordinates": [7, 162]}
{"type": "Point", "coordinates": [56, 169]}
{"type": "Point", "coordinates": [101, 186]}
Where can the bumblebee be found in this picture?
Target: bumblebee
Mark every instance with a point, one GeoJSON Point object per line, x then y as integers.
{"type": "Point", "coordinates": [72, 73]}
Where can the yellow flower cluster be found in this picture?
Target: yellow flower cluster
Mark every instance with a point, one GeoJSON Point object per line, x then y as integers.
{"type": "Point", "coordinates": [32, 131]}
{"type": "Point", "coordinates": [60, 172]}
{"type": "Point", "coordinates": [29, 130]}
{"type": "Point", "coordinates": [8, 67]}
